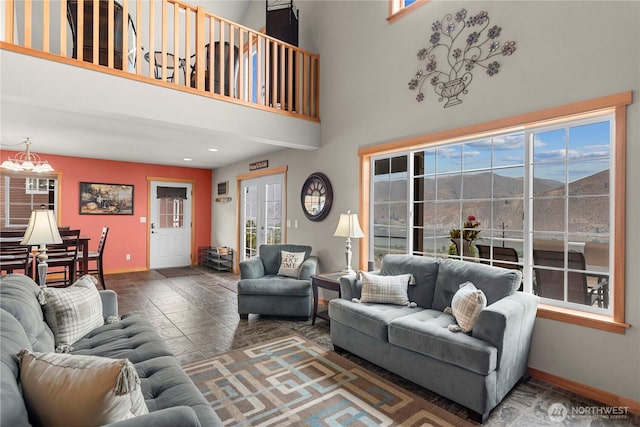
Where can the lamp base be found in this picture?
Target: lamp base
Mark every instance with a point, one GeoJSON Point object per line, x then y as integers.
{"type": "Point", "coordinates": [42, 266]}
{"type": "Point", "coordinates": [42, 274]}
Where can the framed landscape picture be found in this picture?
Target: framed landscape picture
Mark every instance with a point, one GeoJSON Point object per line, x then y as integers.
{"type": "Point", "coordinates": [106, 199]}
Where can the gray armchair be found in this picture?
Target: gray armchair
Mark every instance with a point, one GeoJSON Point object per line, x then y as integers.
{"type": "Point", "coordinates": [262, 291]}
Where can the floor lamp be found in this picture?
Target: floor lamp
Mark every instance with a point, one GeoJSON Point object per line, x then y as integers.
{"type": "Point", "coordinates": [348, 227]}
{"type": "Point", "coordinates": [42, 230]}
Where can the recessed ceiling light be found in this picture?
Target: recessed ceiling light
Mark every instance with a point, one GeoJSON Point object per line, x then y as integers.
{"type": "Point", "coordinates": [213, 149]}
{"type": "Point", "coordinates": [187, 159]}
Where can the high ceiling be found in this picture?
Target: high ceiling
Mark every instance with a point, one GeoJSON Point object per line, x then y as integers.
{"type": "Point", "coordinates": [54, 105]}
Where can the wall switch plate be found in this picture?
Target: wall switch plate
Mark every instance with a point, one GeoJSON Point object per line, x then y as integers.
{"type": "Point", "coordinates": [128, 257]}
{"type": "Point", "coordinates": [143, 219]}
{"type": "Point", "coordinates": [295, 223]}
{"type": "Point", "coordinates": [288, 223]}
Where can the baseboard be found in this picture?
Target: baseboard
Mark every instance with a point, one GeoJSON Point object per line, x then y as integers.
{"type": "Point", "coordinates": [586, 391]}
{"type": "Point", "coordinates": [126, 270]}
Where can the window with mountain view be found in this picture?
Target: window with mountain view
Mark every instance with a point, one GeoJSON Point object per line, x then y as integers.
{"type": "Point", "coordinates": [538, 200]}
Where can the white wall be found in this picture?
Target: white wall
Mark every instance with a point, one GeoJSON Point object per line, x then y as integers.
{"type": "Point", "coordinates": [566, 52]}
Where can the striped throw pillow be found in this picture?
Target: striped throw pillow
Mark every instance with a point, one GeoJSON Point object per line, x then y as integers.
{"type": "Point", "coordinates": [72, 312]}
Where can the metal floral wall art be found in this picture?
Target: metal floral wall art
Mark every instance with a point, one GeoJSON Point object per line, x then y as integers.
{"type": "Point", "coordinates": [457, 46]}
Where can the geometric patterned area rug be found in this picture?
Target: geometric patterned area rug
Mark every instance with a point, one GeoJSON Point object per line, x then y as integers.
{"type": "Point", "coordinates": [294, 382]}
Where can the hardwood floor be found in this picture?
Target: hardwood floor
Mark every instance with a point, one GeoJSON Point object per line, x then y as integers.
{"type": "Point", "coordinates": [197, 316]}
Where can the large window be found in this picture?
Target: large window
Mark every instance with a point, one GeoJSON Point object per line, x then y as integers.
{"type": "Point", "coordinates": [22, 193]}
{"type": "Point", "coordinates": [390, 206]}
{"type": "Point", "coordinates": [539, 197]}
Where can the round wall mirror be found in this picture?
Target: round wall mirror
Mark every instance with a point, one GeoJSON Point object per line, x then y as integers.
{"type": "Point", "coordinates": [316, 196]}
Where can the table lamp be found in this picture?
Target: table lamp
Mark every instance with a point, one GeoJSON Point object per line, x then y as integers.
{"type": "Point", "coordinates": [348, 227]}
{"type": "Point", "coordinates": [42, 230]}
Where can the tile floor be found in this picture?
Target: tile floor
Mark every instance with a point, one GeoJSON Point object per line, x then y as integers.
{"type": "Point", "coordinates": [197, 316]}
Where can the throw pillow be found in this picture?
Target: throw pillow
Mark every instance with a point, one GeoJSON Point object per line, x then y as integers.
{"type": "Point", "coordinates": [385, 289]}
{"type": "Point", "coordinates": [466, 306]}
{"type": "Point", "coordinates": [72, 312]}
{"type": "Point", "coordinates": [290, 264]}
{"type": "Point", "coordinates": [74, 390]}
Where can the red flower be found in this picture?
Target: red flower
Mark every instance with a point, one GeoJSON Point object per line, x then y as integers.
{"type": "Point", "coordinates": [471, 218]}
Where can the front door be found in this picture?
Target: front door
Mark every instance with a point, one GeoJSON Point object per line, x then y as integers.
{"type": "Point", "coordinates": [170, 224]}
{"type": "Point", "coordinates": [261, 208]}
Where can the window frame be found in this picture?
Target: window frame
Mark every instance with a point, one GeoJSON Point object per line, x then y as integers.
{"type": "Point", "coordinates": [54, 194]}
{"type": "Point", "coordinates": [612, 104]}
{"type": "Point", "coordinates": [397, 9]}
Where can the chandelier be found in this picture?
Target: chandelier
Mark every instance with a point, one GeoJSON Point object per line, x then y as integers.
{"type": "Point", "coordinates": [27, 161]}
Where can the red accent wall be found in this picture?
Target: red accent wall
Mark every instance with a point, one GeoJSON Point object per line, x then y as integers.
{"type": "Point", "coordinates": [127, 235]}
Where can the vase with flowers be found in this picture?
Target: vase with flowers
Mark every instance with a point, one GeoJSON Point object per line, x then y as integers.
{"type": "Point", "coordinates": [465, 238]}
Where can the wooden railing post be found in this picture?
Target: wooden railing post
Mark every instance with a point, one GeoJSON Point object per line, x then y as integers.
{"type": "Point", "coordinates": [27, 22]}
{"type": "Point", "coordinates": [8, 20]}
{"type": "Point", "coordinates": [46, 24]}
{"type": "Point", "coordinates": [201, 56]}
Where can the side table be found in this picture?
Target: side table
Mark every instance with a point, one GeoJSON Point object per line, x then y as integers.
{"type": "Point", "coordinates": [330, 281]}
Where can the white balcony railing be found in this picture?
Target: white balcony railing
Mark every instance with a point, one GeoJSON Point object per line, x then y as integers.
{"type": "Point", "coordinates": [168, 43]}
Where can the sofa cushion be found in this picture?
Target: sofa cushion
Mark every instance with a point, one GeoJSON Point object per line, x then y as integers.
{"type": "Point", "coordinates": [424, 271]}
{"type": "Point", "coordinates": [73, 390]}
{"type": "Point", "coordinates": [466, 306]}
{"type": "Point", "coordinates": [72, 312]}
{"type": "Point", "coordinates": [427, 332]}
{"type": "Point", "coordinates": [133, 338]}
{"type": "Point", "coordinates": [370, 319]}
{"type": "Point", "coordinates": [274, 285]}
{"type": "Point", "coordinates": [290, 264]}
{"type": "Point", "coordinates": [495, 282]}
{"type": "Point", "coordinates": [19, 296]}
{"type": "Point", "coordinates": [385, 289]}
{"type": "Point", "coordinates": [164, 385]}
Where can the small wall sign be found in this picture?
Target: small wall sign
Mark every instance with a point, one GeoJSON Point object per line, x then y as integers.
{"type": "Point", "coordinates": [262, 164]}
{"type": "Point", "coordinates": [223, 188]}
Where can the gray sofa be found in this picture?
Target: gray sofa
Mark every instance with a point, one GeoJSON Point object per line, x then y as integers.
{"type": "Point", "coordinates": [475, 369]}
{"type": "Point", "coordinates": [262, 291]}
{"type": "Point", "coordinates": [170, 395]}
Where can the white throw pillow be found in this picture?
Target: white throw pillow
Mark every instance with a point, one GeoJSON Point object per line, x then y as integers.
{"type": "Point", "coordinates": [290, 264]}
{"type": "Point", "coordinates": [385, 289]}
{"type": "Point", "coordinates": [466, 306]}
{"type": "Point", "coordinates": [72, 312]}
{"type": "Point", "coordinates": [73, 390]}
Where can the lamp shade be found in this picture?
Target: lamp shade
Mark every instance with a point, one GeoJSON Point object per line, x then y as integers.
{"type": "Point", "coordinates": [348, 226]}
{"type": "Point", "coordinates": [42, 229]}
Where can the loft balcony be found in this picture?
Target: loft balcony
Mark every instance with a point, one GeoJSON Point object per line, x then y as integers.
{"type": "Point", "coordinates": [150, 47]}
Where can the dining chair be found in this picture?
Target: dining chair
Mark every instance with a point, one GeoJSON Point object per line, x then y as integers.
{"type": "Point", "coordinates": [509, 255]}
{"type": "Point", "coordinates": [13, 257]}
{"type": "Point", "coordinates": [97, 257]}
{"type": "Point", "coordinates": [550, 283]}
{"type": "Point", "coordinates": [62, 258]}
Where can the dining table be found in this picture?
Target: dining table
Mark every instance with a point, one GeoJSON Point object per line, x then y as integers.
{"type": "Point", "coordinates": [12, 238]}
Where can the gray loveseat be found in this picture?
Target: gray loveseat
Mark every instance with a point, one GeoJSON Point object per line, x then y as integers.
{"type": "Point", "coordinates": [170, 395]}
{"type": "Point", "coordinates": [475, 369]}
{"type": "Point", "coordinates": [262, 291]}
